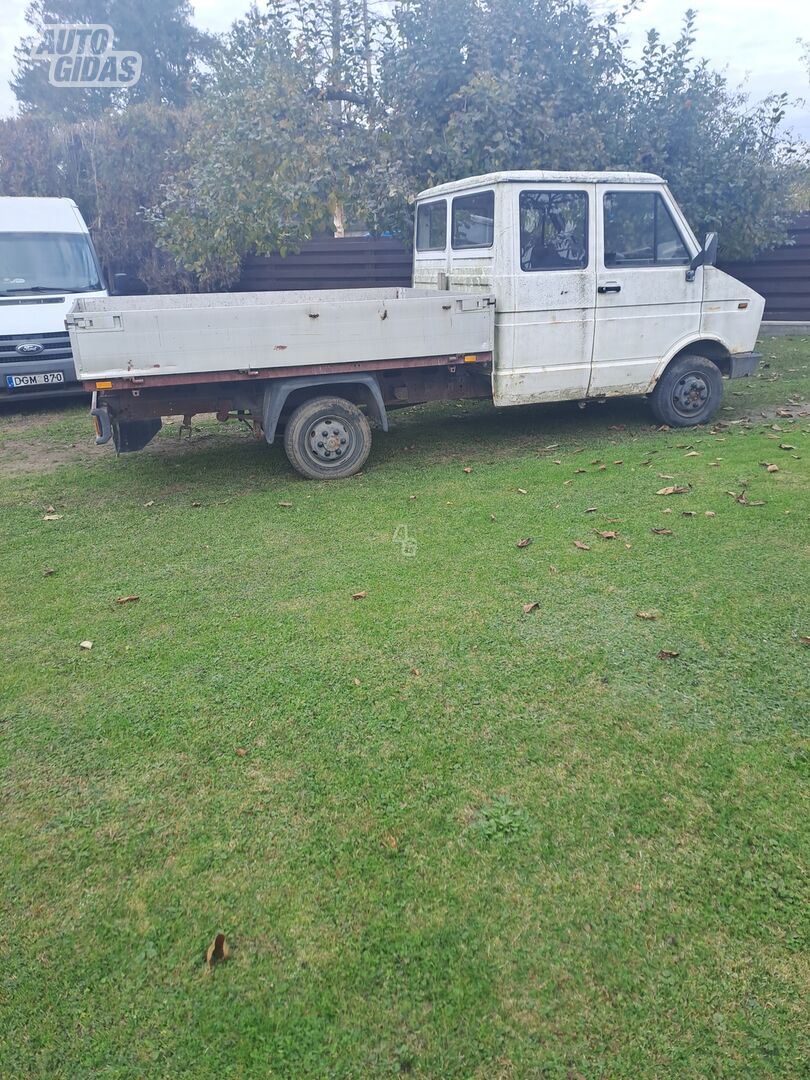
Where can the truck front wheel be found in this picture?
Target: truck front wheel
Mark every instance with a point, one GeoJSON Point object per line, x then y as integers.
{"type": "Point", "coordinates": [689, 392]}
{"type": "Point", "coordinates": [326, 438]}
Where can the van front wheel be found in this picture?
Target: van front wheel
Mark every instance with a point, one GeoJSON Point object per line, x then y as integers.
{"type": "Point", "coordinates": [689, 392]}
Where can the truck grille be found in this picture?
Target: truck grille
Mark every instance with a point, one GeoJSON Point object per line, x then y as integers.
{"type": "Point", "coordinates": [54, 347]}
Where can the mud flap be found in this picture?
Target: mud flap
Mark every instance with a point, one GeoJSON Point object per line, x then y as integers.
{"type": "Point", "coordinates": [132, 435]}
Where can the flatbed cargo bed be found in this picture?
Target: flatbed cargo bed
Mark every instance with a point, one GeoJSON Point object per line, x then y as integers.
{"type": "Point", "coordinates": [165, 340]}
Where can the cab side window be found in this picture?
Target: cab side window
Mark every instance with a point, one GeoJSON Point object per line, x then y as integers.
{"type": "Point", "coordinates": [639, 231]}
{"type": "Point", "coordinates": [431, 226]}
{"type": "Point", "coordinates": [553, 230]}
{"type": "Point", "coordinates": [474, 220]}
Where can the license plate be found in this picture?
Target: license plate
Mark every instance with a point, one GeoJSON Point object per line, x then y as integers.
{"type": "Point", "coordinates": [47, 378]}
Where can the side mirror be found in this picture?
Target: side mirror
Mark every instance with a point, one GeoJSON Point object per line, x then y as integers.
{"type": "Point", "coordinates": [707, 256]}
{"type": "Point", "coordinates": [126, 285]}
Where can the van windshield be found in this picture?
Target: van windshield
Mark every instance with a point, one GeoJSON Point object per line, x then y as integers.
{"type": "Point", "coordinates": [47, 262]}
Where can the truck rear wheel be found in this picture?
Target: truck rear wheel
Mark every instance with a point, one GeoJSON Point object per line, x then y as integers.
{"type": "Point", "coordinates": [689, 392]}
{"type": "Point", "coordinates": [326, 438]}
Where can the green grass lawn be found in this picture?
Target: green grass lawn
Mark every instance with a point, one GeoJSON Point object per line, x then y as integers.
{"type": "Point", "coordinates": [443, 837]}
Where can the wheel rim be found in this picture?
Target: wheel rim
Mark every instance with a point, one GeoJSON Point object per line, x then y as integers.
{"type": "Point", "coordinates": [691, 393]}
{"type": "Point", "coordinates": [329, 440]}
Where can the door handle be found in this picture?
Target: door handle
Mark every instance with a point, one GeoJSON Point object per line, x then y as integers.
{"type": "Point", "coordinates": [609, 286]}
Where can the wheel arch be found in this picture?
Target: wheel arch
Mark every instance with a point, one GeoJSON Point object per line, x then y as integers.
{"type": "Point", "coordinates": [713, 348]}
{"type": "Point", "coordinates": [283, 393]}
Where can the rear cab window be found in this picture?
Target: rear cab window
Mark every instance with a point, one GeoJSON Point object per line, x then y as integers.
{"type": "Point", "coordinates": [431, 226]}
{"type": "Point", "coordinates": [553, 230]}
{"type": "Point", "coordinates": [639, 231]}
{"type": "Point", "coordinates": [473, 221]}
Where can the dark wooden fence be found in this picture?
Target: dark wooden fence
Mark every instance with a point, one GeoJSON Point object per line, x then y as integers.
{"type": "Point", "coordinates": [782, 276]}
{"type": "Point", "coordinates": [355, 262]}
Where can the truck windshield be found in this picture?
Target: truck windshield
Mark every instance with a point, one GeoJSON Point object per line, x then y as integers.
{"type": "Point", "coordinates": [47, 262]}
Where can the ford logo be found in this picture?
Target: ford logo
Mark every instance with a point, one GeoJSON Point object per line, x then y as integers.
{"type": "Point", "coordinates": [29, 348]}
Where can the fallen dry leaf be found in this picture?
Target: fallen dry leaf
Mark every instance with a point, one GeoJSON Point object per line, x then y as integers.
{"type": "Point", "coordinates": [52, 517]}
{"type": "Point", "coordinates": [709, 513]}
{"type": "Point", "coordinates": [150, 503]}
{"type": "Point", "coordinates": [196, 504]}
{"type": "Point", "coordinates": [667, 511]}
{"type": "Point", "coordinates": [769, 467]}
{"type": "Point", "coordinates": [675, 490]}
{"type": "Point", "coordinates": [665, 476]}
{"type": "Point", "coordinates": [556, 462]}
{"type": "Point", "coordinates": [390, 842]}
{"type": "Point", "coordinates": [692, 453]}
{"type": "Point", "coordinates": [127, 599]}
{"type": "Point", "coordinates": [664, 427]}
{"type": "Point", "coordinates": [240, 751]}
{"type": "Point", "coordinates": [217, 950]}
{"type": "Point", "coordinates": [553, 570]}
{"type": "Point", "coordinates": [581, 546]}
{"type": "Point", "coordinates": [530, 607]}
{"type": "Point", "coordinates": [650, 615]}
{"type": "Point", "coordinates": [52, 509]}
{"type": "Point", "coordinates": [805, 639]}
{"type": "Point", "coordinates": [492, 517]}
{"type": "Point", "coordinates": [667, 654]}
{"type": "Point", "coordinates": [360, 595]}
{"type": "Point", "coordinates": [415, 672]}
{"type": "Point", "coordinates": [524, 543]}
{"type": "Point", "coordinates": [578, 471]}
{"type": "Point", "coordinates": [591, 509]}
{"type": "Point", "coordinates": [662, 532]}
{"type": "Point", "coordinates": [290, 504]}
{"type": "Point", "coordinates": [606, 534]}
{"type": "Point", "coordinates": [619, 462]}
{"type": "Point", "coordinates": [357, 682]}
{"type": "Point", "coordinates": [48, 571]}
{"type": "Point", "coordinates": [601, 468]}
{"type": "Point", "coordinates": [688, 513]}
{"type": "Point", "coordinates": [522, 491]}
{"type": "Point", "coordinates": [467, 470]}
{"type": "Point", "coordinates": [784, 412]}
{"type": "Point", "coordinates": [86, 645]}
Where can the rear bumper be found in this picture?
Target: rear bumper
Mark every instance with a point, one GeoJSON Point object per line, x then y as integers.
{"type": "Point", "coordinates": [743, 364]}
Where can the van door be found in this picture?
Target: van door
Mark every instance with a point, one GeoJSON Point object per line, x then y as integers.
{"type": "Point", "coordinates": [545, 318]}
{"type": "Point", "coordinates": [646, 304]}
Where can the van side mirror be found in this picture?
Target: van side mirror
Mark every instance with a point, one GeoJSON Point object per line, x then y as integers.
{"type": "Point", "coordinates": [127, 285]}
{"type": "Point", "coordinates": [707, 256]}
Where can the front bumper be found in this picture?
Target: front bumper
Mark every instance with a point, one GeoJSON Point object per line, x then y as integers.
{"type": "Point", "coordinates": [56, 358]}
{"type": "Point", "coordinates": [743, 365]}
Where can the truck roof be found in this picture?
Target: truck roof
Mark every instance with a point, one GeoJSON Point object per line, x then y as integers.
{"type": "Point", "coordinates": [40, 215]}
{"type": "Point", "coordinates": [531, 176]}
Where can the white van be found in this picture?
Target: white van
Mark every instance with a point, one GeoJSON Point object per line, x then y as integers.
{"type": "Point", "coordinates": [46, 261]}
{"type": "Point", "coordinates": [528, 287]}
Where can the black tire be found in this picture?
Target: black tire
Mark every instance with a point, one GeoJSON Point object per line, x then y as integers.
{"type": "Point", "coordinates": [689, 392]}
{"type": "Point", "coordinates": [327, 438]}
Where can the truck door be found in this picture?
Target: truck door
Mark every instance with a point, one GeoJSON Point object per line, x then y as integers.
{"type": "Point", "coordinates": [646, 304]}
{"type": "Point", "coordinates": [545, 317]}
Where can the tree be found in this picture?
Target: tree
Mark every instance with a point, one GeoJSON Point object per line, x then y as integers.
{"type": "Point", "coordinates": [113, 168]}
{"type": "Point", "coordinates": [318, 114]}
{"type": "Point", "coordinates": [160, 30]}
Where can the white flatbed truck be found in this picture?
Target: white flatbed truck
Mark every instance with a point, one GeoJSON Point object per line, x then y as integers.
{"type": "Point", "coordinates": [527, 287]}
